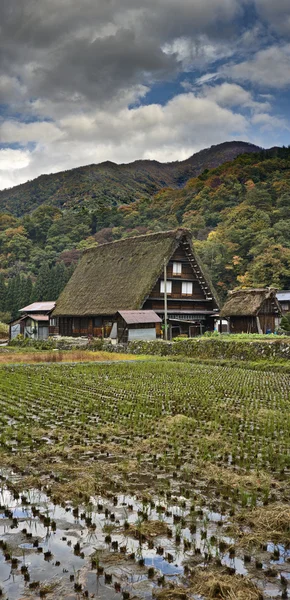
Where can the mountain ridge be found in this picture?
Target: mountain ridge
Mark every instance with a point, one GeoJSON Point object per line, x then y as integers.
{"type": "Point", "coordinates": [115, 184]}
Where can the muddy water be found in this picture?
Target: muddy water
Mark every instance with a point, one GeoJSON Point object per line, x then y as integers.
{"type": "Point", "coordinates": [53, 545]}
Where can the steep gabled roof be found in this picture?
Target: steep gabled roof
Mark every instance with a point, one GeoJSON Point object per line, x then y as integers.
{"type": "Point", "coordinates": [248, 302]}
{"type": "Point", "coordinates": [118, 275]}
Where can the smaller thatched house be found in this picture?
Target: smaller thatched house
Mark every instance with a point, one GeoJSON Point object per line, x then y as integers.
{"type": "Point", "coordinates": [252, 311]}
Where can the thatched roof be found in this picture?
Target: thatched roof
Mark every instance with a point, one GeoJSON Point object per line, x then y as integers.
{"type": "Point", "coordinates": [118, 275]}
{"type": "Point", "coordinates": [248, 302]}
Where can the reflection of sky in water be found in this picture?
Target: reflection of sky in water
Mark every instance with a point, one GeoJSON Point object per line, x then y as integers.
{"type": "Point", "coordinates": [166, 568]}
{"type": "Point", "coordinates": [73, 529]}
{"type": "Point", "coordinates": [283, 553]}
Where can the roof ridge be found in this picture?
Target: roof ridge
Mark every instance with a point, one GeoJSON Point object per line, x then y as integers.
{"type": "Point", "coordinates": [174, 233]}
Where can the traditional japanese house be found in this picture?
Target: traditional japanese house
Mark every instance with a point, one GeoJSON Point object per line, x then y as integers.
{"type": "Point", "coordinates": [128, 275]}
{"type": "Point", "coordinates": [35, 321]}
{"type": "Point", "coordinates": [252, 311]}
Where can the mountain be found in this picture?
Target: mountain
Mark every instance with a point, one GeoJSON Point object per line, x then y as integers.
{"type": "Point", "coordinates": [111, 184]}
{"type": "Point", "coordinates": [238, 212]}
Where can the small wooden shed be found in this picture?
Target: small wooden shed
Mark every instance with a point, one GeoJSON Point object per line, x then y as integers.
{"type": "Point", "coordinates": [35, 322]}
{"type": "Point", "coordinates": [133, 325]}
{"type": "Point", "coordinates": [252, 310]}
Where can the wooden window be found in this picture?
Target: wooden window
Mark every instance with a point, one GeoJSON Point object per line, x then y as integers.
{"type": "Point", "coordinates": [168, 287]}
{"type": "Point", "coordinates": [52, 322]}
{"type": "Point", "coordinates": [177, 268]}
{"type": "Point", "coordinates": [186, 289]}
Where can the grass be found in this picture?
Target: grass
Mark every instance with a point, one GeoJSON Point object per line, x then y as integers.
{"type": "Point", "coordinates": [30, 356]}
{"type": "Point", "coordinates": [221, 585]}
{"type": "Point", "coordinates": [243, 337]}
{"type": "Point", "coordinates": [189, 439]}
{"type": "Point", "coordinates": [151, 416]}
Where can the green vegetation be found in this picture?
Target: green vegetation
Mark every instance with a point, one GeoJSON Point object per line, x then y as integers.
{"type": "Point", "coordinates": [182, 463]}
{"type": "Point", "coordinates": [226, 416]}
{"type": "Point", "coordinates": [4, 330]}
{"type": "Point", "coordinates": [106, 185]}
{"type": "Point", "coordinates": [239, 214]}
{"type": "Point", "coordinates": [21, 290]}
{"type": "Point", "coordinates": [285, 323]}
{"type": "Point", "coordinates": [231, 347]}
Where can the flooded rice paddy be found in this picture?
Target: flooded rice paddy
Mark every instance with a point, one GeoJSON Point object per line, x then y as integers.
{"type": "Point", "coordinates": [144, 480]}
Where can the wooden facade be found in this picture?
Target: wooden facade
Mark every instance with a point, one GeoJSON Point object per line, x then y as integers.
{"type": "Point", "coordinates": [190, 307]}
{"type": "Point", "coordinates": [129, 275]}
{"type": "Point", "coordinates": [252, 311]}
{"type": "Point", "coordinates": [99, 327]}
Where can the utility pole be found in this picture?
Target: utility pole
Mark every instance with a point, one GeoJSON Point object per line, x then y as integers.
{"type": "Point", "coordinates": [165, 300]}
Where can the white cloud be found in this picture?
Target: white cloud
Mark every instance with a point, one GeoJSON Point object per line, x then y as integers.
{"type": "Point", "coordinates": [73, 71]}
{"type": "Point", "coordinates": [233, 95]}
{"type": "Point", "coordinates": [184, 125]}
{"type": "Point", "coordinates": [13, 160]}
{"type": "Point", "coordinates": [198, 52]}
{"type": "Point", "coordinates": [268, 122]}
{"type": "Point", "coordinates": [13, 131]}
{"type": "Point", "coordinates": [268, 68]}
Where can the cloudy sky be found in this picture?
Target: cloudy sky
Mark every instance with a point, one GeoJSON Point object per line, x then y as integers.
{"type": "Point", "coordinates": [83, 81]}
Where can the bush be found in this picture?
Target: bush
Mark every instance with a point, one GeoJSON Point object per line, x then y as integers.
{"type": "Point", "coordinates": [21, 342]}
{"type": "Point", "coordinates": [5, 317]}
{"type": "Point", "coordinates": [285, 323]}
{"type": "Point", "coordinates": [217, 347]}
{"type": "Point", "coordinates": [96, 344]}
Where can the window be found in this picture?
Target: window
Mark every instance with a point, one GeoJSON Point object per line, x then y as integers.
{"type": "Point", "coordinates": [168, 287]}
{"type": "Point", "coordinates": [186, 289]}
{"type": "Point", "coordinates": [52, 322]}
{"type": "Point", "coordinates": [177, 268]}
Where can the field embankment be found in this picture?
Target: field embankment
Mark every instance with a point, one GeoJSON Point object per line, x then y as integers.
{"type": "Point", "coordinates": [244, 347]}
{"type": "Point", "coordinates": [29, 356]}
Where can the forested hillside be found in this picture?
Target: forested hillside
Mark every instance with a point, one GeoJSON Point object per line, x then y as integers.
{"type": "Point", "coordinates": [239, 214]}
{"type": "Point", "coordinates": [109, 184]}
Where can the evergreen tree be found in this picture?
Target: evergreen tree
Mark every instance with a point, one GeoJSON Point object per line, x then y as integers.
{"type": "Point", "coordinates": [28, 291]}
{"type": "Point", "coordinates": [3, 292]}
{"type": "Point", "coordinates": [41, 289]}
{"type": "Point", "coordinates": [10, 304]}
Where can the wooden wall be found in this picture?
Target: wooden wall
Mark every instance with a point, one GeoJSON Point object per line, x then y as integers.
{"type": "Point", "coordinates": [85, 326]}
{"type": "Point", "coordinates": [243, 325]}
{"type": "Point", "coordinates": [176, 300]}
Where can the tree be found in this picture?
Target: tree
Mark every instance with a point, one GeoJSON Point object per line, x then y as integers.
{"type": "Point", "coordinates": [285, 322]}
{"type": "Point", "coordinates": [41, 290]}
{"type": "Point", "coordinates": [3, 292]}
